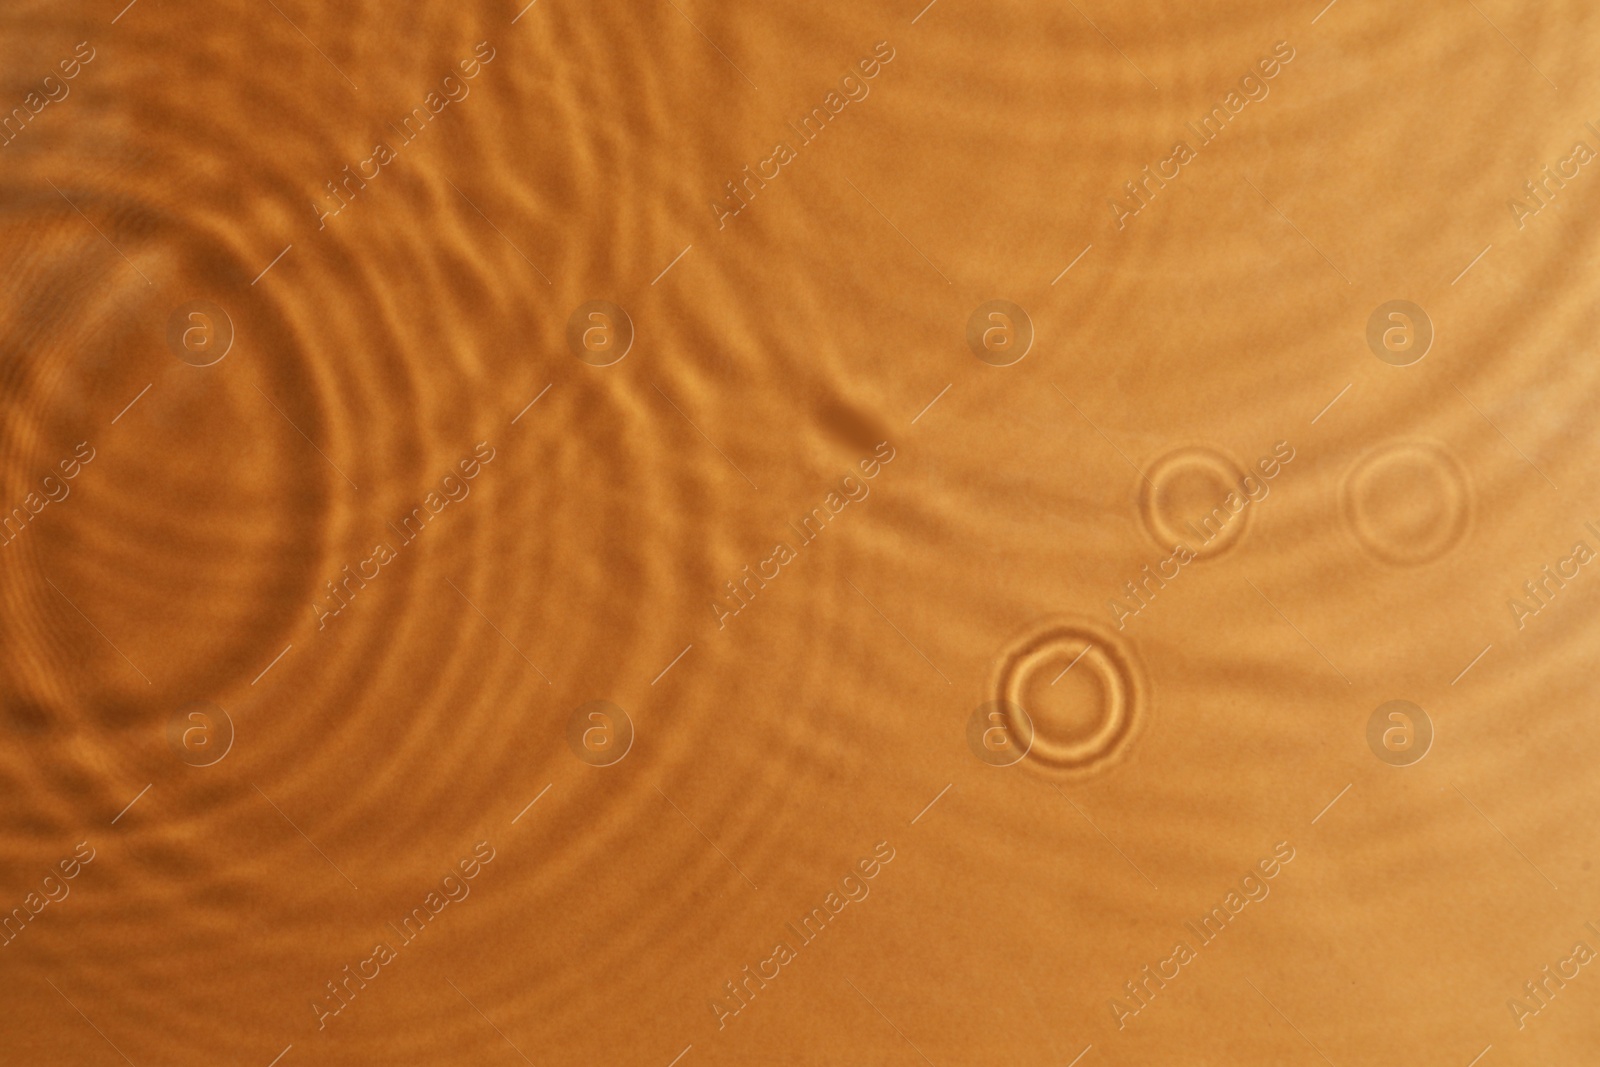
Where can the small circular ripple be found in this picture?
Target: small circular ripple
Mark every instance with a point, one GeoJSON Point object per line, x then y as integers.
{"type": "Point", "coordinates": [1407, 502]}
{"type": "Point", "coordinates": [1184, 498]}
{"type": "Point", "coordinates": [1082, 690]}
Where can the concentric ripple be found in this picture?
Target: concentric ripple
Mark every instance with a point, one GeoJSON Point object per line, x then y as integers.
{"type": "Point", "coordinates": [1084, 694]}
{"type": "Point", "coordinates": [1407, 502]}
{"type": "Point", "coordinates": [1185, 499]}
{"type": "Point", "coordinates": [288, 542]}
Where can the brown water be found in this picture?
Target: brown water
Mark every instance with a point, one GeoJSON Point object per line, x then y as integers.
{"type": "Point", "coordinates": [511, 537]}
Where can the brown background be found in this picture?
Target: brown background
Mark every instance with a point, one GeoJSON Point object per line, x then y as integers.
{"type": "Point", "coordinates": [773, 355]}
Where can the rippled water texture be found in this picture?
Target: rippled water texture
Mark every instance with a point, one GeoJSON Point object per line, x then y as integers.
{"type": "Point", "coordinates": [845, 534]}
